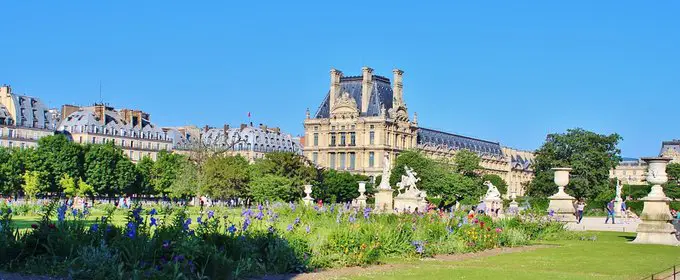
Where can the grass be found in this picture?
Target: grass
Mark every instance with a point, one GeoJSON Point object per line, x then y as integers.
{"type": "Point", "coordinates": [610, 257]}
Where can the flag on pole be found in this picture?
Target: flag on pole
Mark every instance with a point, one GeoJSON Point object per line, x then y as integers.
{"type": "Point", "coordinates": [249, 114]}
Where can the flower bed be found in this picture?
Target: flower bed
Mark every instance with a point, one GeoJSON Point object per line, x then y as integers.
{"type": "Point", "coordinates": [225, 243]}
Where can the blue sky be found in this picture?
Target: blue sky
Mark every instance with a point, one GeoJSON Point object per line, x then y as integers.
{"type": "Point", "coordinates": [507, 71]}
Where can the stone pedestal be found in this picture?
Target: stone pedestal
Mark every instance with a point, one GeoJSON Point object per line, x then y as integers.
{"type": "Point", "coordinates": [617, 207]}
{"type": "Point", "coordinates": [308, 200]}
{"type": "Point", "coordinates": [493, 203]}
{"type": "Point", "coordinates": [383, 200]}
{"type": "Point", "coordinates": [656, 227]}
{"type": "Point", "coordinates": [406, 204]}
{"type": "Point", "coordinates": [561, 203]}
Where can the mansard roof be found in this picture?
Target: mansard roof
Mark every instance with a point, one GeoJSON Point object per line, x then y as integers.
{"type": "Point", "coordinates": [428, 136]}
{"type": "Point", "coordinates": [381, 95]}
{"type": "Point", "coordinates": [29, 112]}
{"type": "Point", "coordinates": [518, 162]}
{"type": "Point", "coordinates": [670, 146]}
{"type": "Point", "coordinates": [251, 138]}
{"type": "Point", "coordinates": [85, 119]}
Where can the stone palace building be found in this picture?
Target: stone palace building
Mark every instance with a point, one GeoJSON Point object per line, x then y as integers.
{"type": "Point", "coordinates": [362, 118]}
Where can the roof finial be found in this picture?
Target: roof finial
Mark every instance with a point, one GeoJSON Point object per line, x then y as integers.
{"type": "Point", "coordinates": [307, 113]}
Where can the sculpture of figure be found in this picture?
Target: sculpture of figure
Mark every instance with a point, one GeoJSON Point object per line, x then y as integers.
{"type": "Point", "coordinates": [385, 182]}
{"type": "Point", "coordinates": [492, 192]}
{"type": "Point", "coordinates": [408, 181]}
{"type": "Point", "coordinates": [618, 189]}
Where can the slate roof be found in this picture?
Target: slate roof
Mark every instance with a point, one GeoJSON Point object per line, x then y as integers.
{"type": "Point", "coordinates": [252, 139]}
{"type": "Point", "coordinates": [85, 120]}
{"type": "Point", "coordinates": [30, 112]}
{"type": "Point", "coordinates": [518, 162]}
{"type": "Point", "coordinates": [381, 94]}
{"type": "Point", "coordinates": [428, 136]}
{"type": "Point", "coordinates": [673, 145]}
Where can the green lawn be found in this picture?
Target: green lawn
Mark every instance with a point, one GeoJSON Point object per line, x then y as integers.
{"type": "Point", "coordinates": [610, 257]}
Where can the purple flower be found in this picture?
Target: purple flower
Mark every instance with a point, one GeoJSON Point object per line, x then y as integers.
{"type": "Point", "coordinates": [367, 212]}
{"type": "Point", "coordinates": [420, 246]}
{"type": "Point", "coordinates": [199, 219]}
{"type": "Point", "coordinates": [289, 228]}
{"type": "Point", "coordinates": [132, 230]}
{"type": "Point", "coordinates": [166, 244]}
{"type": "Point", "coordinates": [211, 213]}
{"type": "Point", "coordinates": [332, 208]}
{"type": "Point", "coordinates": [187, 223]}
{"type": "Point", "coordinates": [270, 229]}
{"type": "Point", "coordinates": [232, 229]}
{"type": "Point", "coordinates": [259, 215]}
{"type": "Point", "coordinates": [308, 229]}
{"type": "Point", "coordinates": [337, 218]}
{"type": "Point", "coordinates": [74, 212]}
{"type": "Point", "coordinates": [94, 227]}
{"type": "Point", "coordinates": [178, 258]}
{"type": "Point", "coordinates": [153, 212]}
{"type": "Point", "coordinates": [292, 206]}
{"type": "Point", "coordinates": [246, 223]}
{"type": "Point", "coordinates": [297, 220]}
{"type": "Point", "coordinates": [153, 221]}
{"type": "Point", "coordinates": [352, 219]}
{"type": "Point", "coordinates": [259, 207]}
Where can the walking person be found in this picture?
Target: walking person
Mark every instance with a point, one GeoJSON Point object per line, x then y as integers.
{"type": "Point", "coordinates": [580, 206]}
{"type": "Point", "coordinates": [610, 212]}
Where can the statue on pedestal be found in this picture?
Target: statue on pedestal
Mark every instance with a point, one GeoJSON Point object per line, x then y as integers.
{"type": "Point", "coordinates": [409, 197]}
{"type": "Point", "coordinates": [385, 182]}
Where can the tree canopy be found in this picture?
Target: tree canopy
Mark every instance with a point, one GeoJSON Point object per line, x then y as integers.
{"type": "Point", "coordinates": [589, 154]}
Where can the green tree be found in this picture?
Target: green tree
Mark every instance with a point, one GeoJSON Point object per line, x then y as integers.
{"type": "Point", "coordinates": [225, 176]}
{"type": "Point", "coordinates": [186, 184]}
{"type": "Point", "coordinates": [12, 166]}
{"type": "Point", "coordinates": [145, 169]}
{"type": "Point", "coordinates": [100, 168]}
{"type": "Point", "coordinates": [589, 154]}
{"type": "Point", "coordinates": [466, 163]}
{"type": "Point", "coordinates": [673, 171]}
{"type": "Point", "coordinates": [56, 155]}
{"type": "Point", "coordinates": [127, 177]}
{"type": "Point", "coordinates": [496, 181]}
{"type": "Point", "coordinates": [68, 185]}
{"type": "Point", "coordinates": [270, 187]}
{"type": "Point", "coordinates": [165, 171]}
{"type": "Point", "coordinates": [339, 186]}
{"type": "Point", "coordinates": [84, 189]}
{"type": "Point", "coordinates": [33, 183]}
{"type": "Point", "coordinates": [286, 164]}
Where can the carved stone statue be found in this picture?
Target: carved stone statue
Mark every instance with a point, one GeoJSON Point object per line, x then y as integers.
{"type": "Point", "coordinates": [618, 189]}
{"type": "Point", "coordinates": [409, 197]}
{"type": "Point", "coordinates": [385, 182]}
{"type": "Point", "coordinates": [492, 191]}
{"type": "Point", "coordinates": [408, 181]}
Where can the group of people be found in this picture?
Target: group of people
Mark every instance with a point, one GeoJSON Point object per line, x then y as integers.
{"type": "Point", "coordinates": [610, 207]}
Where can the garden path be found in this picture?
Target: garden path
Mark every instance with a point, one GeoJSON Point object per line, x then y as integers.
{"type": "Point", "coordinates": [597, 224]}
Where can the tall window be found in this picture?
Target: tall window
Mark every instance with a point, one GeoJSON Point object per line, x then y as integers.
{"type": "Point", "coordinates": [352, 139]}
{"type": "Point", "coordinates": [331, 160]}
{"type": "Point", "coordinates": [315, 157]}
{"type": "Point", "coordinates": [316, 139]}
{"type": "Point", "coordinates": [342, 139]}
{"type": "Point", "coordinates": [371, 137]}
{"type": "Point", "coordinates": [342, 160]}
{"type": "Point", "coordinates": [371, 159]}
{"type": "Point", "coordinates": [332, 140]}
{"type": "Point", "coordinates": [352, 159]}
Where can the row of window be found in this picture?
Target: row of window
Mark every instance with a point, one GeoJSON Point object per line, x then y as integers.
{"type": "Point", "coordinates": [122, 132]}
{"type": "Point", "coordinates": [126, 144]}
{"type": "Point", "coordinates": [342, 158]}
{"type": "Point", "coordinates": [11, 133]}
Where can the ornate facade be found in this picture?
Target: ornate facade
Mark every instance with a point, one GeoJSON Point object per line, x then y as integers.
{"type": "Point", "coordinates": [630, 171]}
{"type": "Point", "coordinates": [24, 119]}
{"type": "Point", "coordinates": [248, 141]}
{"type": "Point", "coordinates": [362, 118]}
{"type": "Point", "coordinates": [671, 149]}
{"type": "Point", "coordinates": [131, 130]}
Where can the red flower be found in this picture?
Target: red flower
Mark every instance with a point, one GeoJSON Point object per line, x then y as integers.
{"type": "Point", "coordinates": [34, 226]}
{"type": "Point", "coordinates": [488, 229]}
{"type": "Point", "coordinates": [52, 226]}
{"type": "Point", "coordinates": [481, 224]}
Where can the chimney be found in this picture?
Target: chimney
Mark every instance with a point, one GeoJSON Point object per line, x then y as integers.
{"type": "Point", "coordinates": [206, 128]}
{"type": "Point", "coordinates": [335, 88]}
{"type": "Point", "coordinates": [67, 110]}
{"type": "Point", "coordinates": [366, 87]}
{"type": "Point", "coordinates": [226, 127]}
{"type": "Point", "coordinates": [100, 112]}
{"type": "Point", "coordinates": [243, 126]}
{"type": "Point", "coordinates": [5, 90]}
{"type": "Point", "coordinates": [398, 88]}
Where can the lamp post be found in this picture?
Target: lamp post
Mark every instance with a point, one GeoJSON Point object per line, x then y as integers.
{"type": "Point", "coordinates": [656, 227]}
{"type": "Point", "coordinates": [561, 203]}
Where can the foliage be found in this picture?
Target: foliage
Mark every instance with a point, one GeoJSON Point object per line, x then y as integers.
{"type": "Point", "coordinates": [165, 171]}
{"type": "Point", "coordinates": [32, 183]}
{"type": "Point", "coordinates": [186, 185]}
{"type": "Point", "coordinates": [590, 155]}
{"type": "Point", "coordinates": [438, 178]}
{"type": "Point", "coordinates": [496, 181]}
{"type": "Point", "coordinates": [673, 171]}
{"type": "Point", "coordinates": [278, 238]}
{"type": "Point", "coordinates": [272, 188]}
{"type": "Point", "coordinates": [145, 168]}
{"type": "Point", "coordinates": [339, 186]}
{"type": "Point", "coordinates": [68, 185]}
{"type": "Point", "coordinates": [12, 167]}
{"type": "Point", "coordinates": [225, 176]}
{"type": "Point", "coordinates": [286, 164]}
{"type": "Point", "coordinates": [467, 163]}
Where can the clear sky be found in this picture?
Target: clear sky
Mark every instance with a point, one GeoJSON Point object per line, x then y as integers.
{"type": "Point", "coordinates": [507, 71]}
